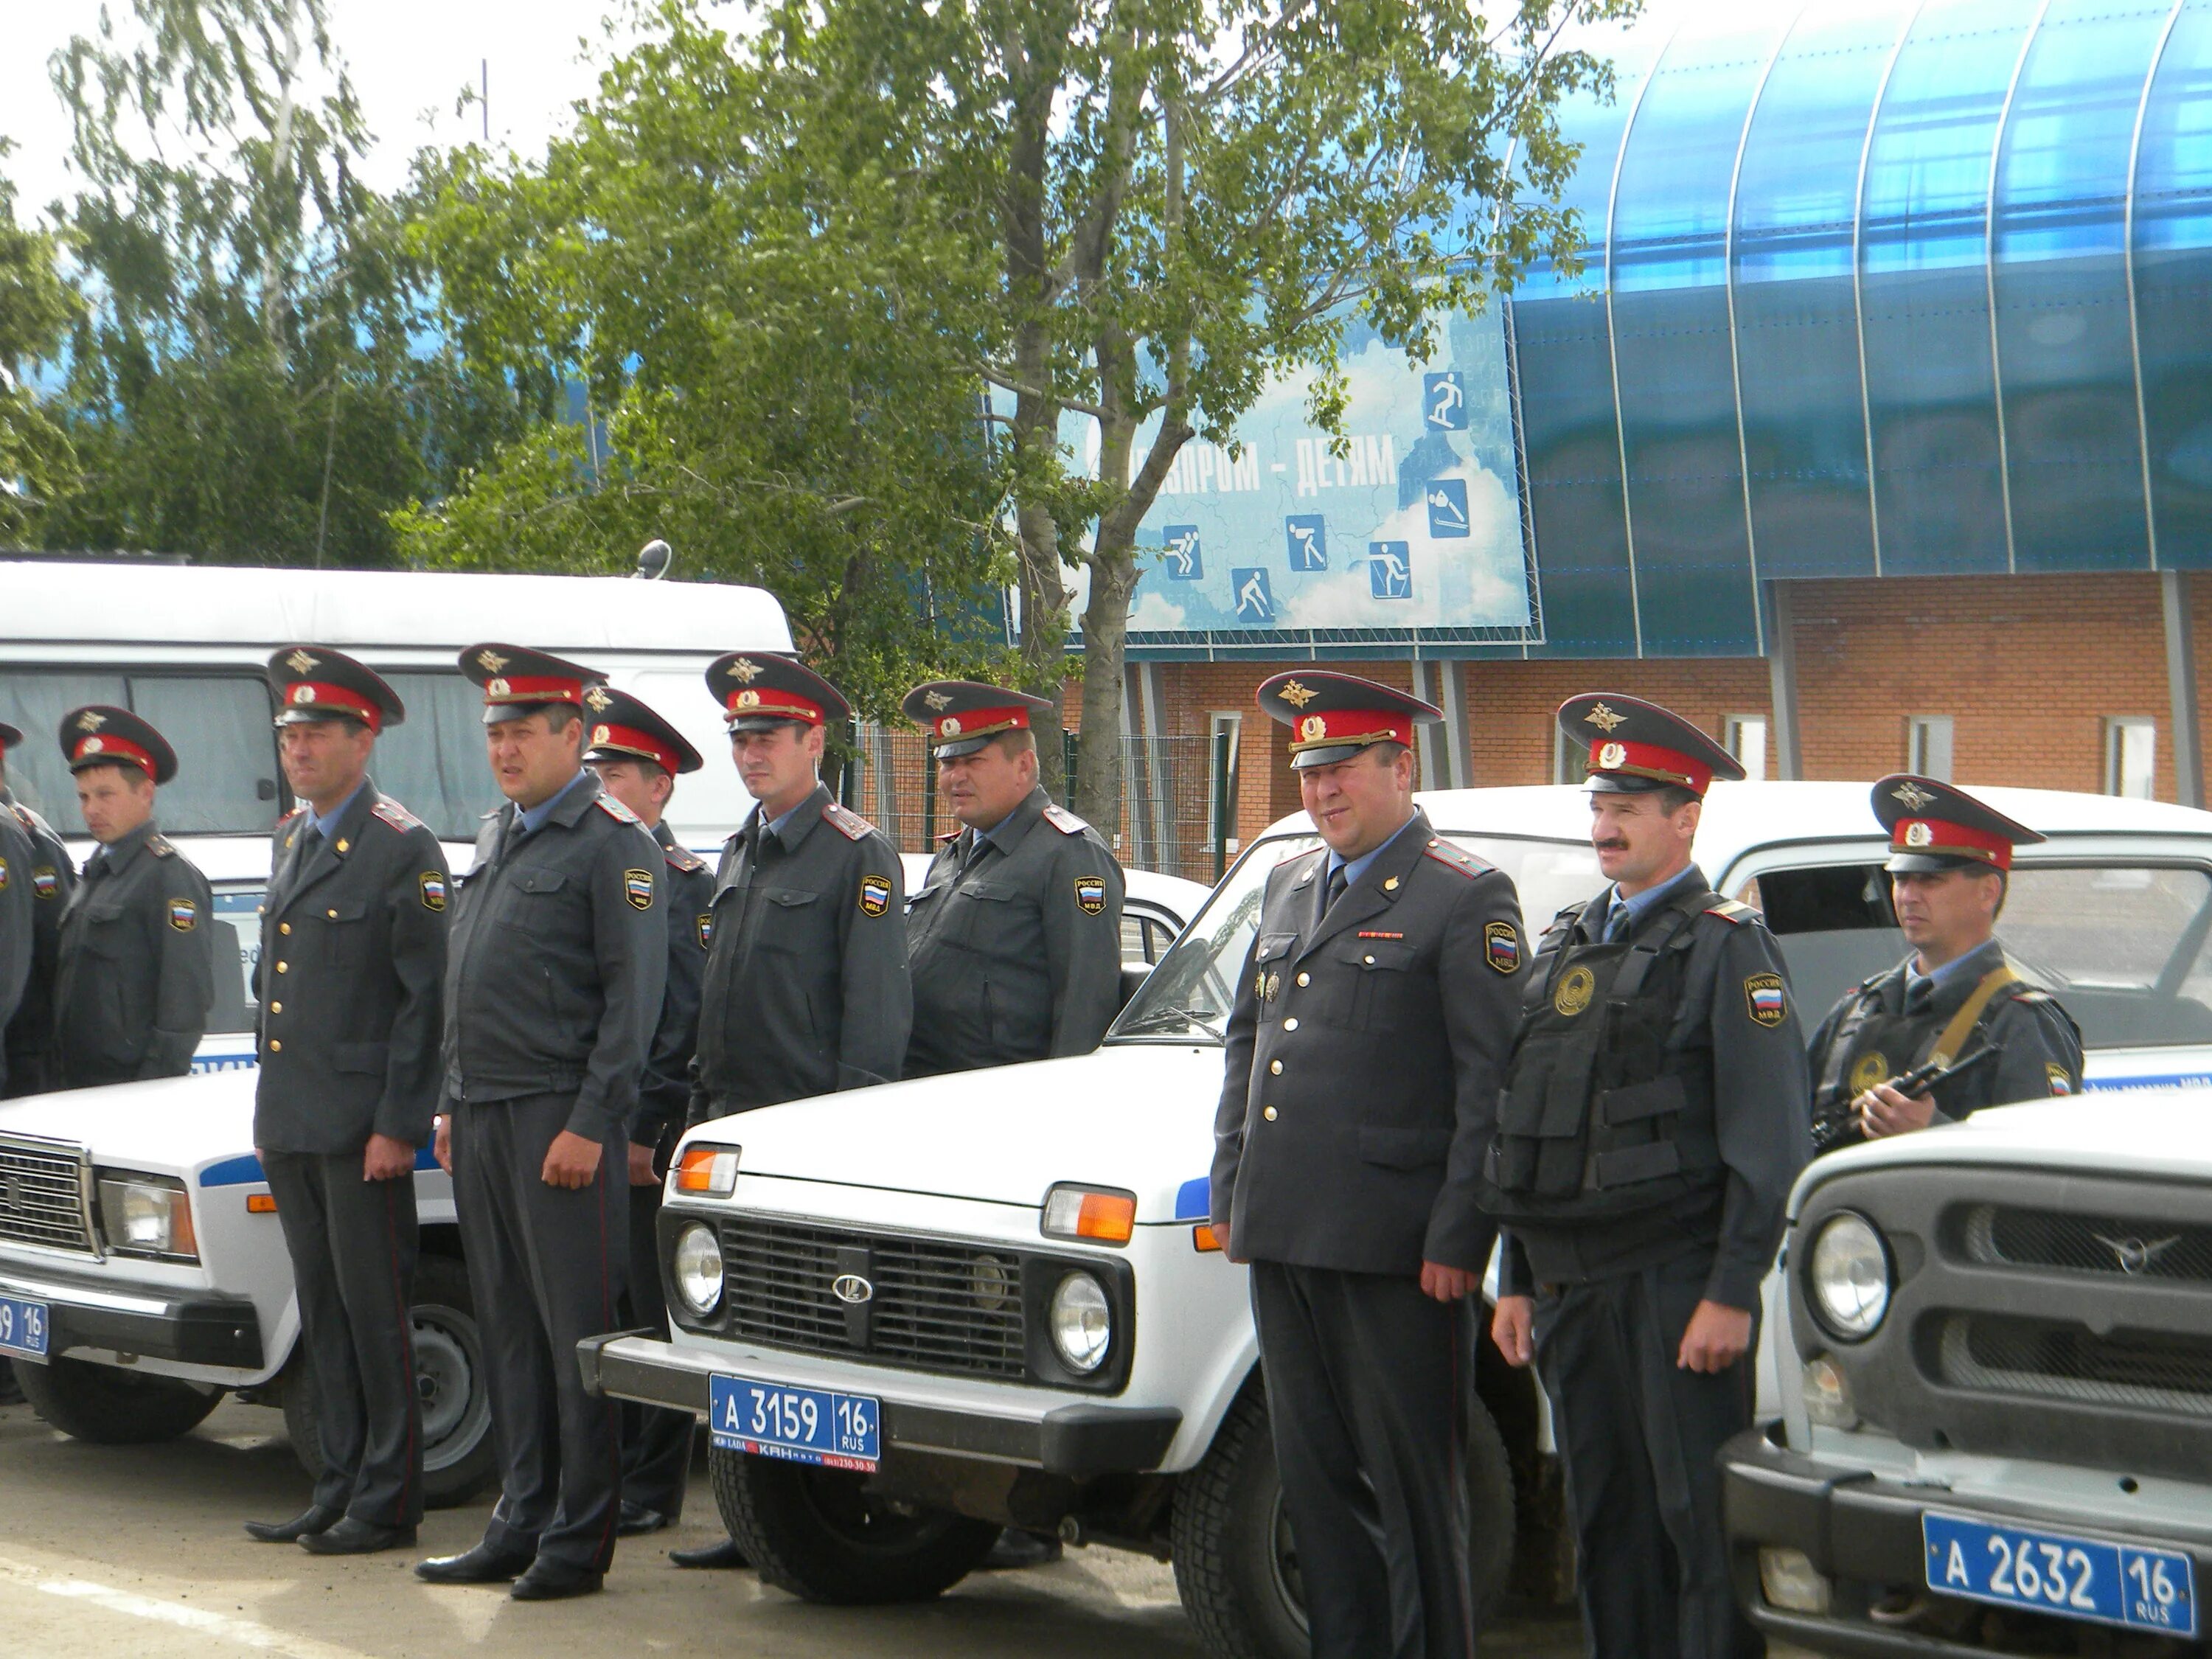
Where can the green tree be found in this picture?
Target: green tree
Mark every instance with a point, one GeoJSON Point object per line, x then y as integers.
{"type": "Point", "coordinates": [768, 342]}
{"type": "Point", "coordinates": [251, 378]}
{"type": "Point", "coordinates": [37, 461]}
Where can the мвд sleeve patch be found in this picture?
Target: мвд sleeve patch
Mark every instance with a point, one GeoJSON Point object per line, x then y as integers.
{"type": "Point", "coordinates": [431, 886]}
{"type": "Point", "coordinates": [1501, 946]}
{"type": "Point", "coordinates": [184, 915]}
{"type": "Point", "coordinates": [1090, 895]}
{"type": "Point", "coordinates": [1765, 999]}
{"type": "Point", "coordinates": [637, 887]}
{"type": "Point", "coordinates": [875, 895]}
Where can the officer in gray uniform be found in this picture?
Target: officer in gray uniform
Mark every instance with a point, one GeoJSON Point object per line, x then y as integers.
{"type": "Point", "coordinates": [1957, 1000]}
{"type": "Point", "coordinates": [25, 1062]}
{"type": "Point", "coordinates": [1388, 953]}
{"type": "Point", "coordinates": [18, 921]}
{"type": "Point", "coordinates": [1015, 938]}
{"type": "Point", "coordinates": [638, 756]}
{"type": "Point", "coordinates": [353, 965]}
{"type": "Point", "coordinates": [134, 973]}
{"type": "Point", "coordinates": [556, 964]}
{"type": "Point", "coordinates": [806, 990]}
{"type": "Point", "coordinates": [1654, 1116]}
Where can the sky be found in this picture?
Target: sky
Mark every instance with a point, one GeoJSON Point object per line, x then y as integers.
{"type": "Point", "coordinates": [410, 59]}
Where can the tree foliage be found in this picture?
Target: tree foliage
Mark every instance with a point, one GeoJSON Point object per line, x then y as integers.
{"type": "Point", "coordinates": [37, 461]}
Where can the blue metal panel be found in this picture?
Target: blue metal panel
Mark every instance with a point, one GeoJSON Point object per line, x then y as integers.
{"type": "Point", "coordinates": [2059, 274]}
{"type": "Point", "coordinates": [2173, 257]}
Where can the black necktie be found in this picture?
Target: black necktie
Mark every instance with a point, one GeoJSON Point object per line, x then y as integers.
{"type": "Point", "coordinates": [1334, 891]}
{"type": "Point", "coordinates": [1918, 994]}
{"type": "Point", "coordinates": [1618, 922]}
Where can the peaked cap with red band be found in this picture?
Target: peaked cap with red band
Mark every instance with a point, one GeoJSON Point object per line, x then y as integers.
{"type": "Point", "coordinates": [517, 679]}
{"type": "Point", "coordinates": [1636, 746]}
{"type": "Point", "coordinates": [961, 716]}
{"type": "Point", "coordinates": [98, 735]}
{"type": "Point", "coordinates": [315, 683]}
{"type": "Point", "coordinates": [760, 689]}
{"type": "Point", "coordinates": [1333, 717]}
{"type": "Point", "coordinates": [11, 737]}
{"type": "Point", "coordinates": [1935, 826]}
{"type": "Point", "coordinates": [623, 728]}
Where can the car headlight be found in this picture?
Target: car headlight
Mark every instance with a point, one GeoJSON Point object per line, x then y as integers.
{"type": "Point", "coordinates": [1082, 1323]}
{"type": "Point", "coordinates": [696, 1267]}
{"type": "Point", "coordinates": [1847, 1274]}
{"type": "Point", "coordinates": [146, 1215]}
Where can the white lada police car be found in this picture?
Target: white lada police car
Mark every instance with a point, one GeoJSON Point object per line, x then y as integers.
{"type": "Point", "coordinates": [916, 1314]}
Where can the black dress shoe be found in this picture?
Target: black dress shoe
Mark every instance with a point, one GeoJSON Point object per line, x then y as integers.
{"type": "Point", "coordinates": [555, 1581]}
{"type": "Point", "coordinates": [482, 1565]}
{"type": "Point", "coordinates": [1016, 1549]}
{"type": "Point", "coordinates": [352, 1537]}
{"type": "Point", "coordinates": [637, 1520]}
{"type": "Point", "coordinates": [306, 1524]}
{"type": "Point", "coordinates": [723, 1553]}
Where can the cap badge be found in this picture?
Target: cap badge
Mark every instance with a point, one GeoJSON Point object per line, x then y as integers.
{"type": "Point", "coordinates": [1917, 834]}
{"type": "Point", "coordinates": [1612, 755]}
{"type": "Point", "coordinates": [748, 700]}
{"type": "Point", "coordinates": [602, 734]}
{"type": "Point", "coordinates": [496, 688]}
{"type": "Point", "coordinates": [1604, 717]}
{"type": "Point", "coordinates": [1313, 726]}
{"type": "Point", "coordinates": [949, 727]}
{"type": "Point", "coordinates": [744, 671]}
{"type": "Point", "coordinates": [91, 720]}
{"type": "Point", "coordinates": [90, 746]}
{"type": "Point", "coordinates": [300, 662]}
{"type": "Point", "coordinates": [1912, 795]}
{"type": "Point", "coordinates": [1296, 695]}
{"type": "Point", "coordinates": [598, 701]}
{"type": "Point", "coordinates": [936, 699]}
{"type": "Point", "coordinates": [490, 661]}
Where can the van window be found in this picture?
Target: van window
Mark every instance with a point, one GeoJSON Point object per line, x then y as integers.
{"type": "Point", "coordinates": [218, 724]}
{"type": "Point", "coordinates": [2123, 946]}
{"type": "Point", "coordinates": [433, 763]}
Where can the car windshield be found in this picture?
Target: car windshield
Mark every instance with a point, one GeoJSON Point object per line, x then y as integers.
{"type": "Point", "coordinates": [1187, 997]}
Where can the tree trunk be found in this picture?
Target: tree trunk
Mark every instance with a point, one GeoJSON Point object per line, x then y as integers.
{"type": "Point", "coordinates": [1105, 629]}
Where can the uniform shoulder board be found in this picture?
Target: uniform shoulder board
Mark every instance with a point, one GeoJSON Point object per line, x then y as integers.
{"type": "Point", "coordinates": [395, 815]}
{"type": "Point", "coordinates": [615, 809]}
{"type": "Point", "coordinates": [2029, 993]}
{"type": "Point", "coordinates": [1064, 821]}
{"type": "Point", "coordinates": [683, 858]}
{"type": "Point", "coordinates": [847, 823]}
{"type": "Point", "coordinates": [160, 848]}
{"type": "Point", "coordinates": [1568, 917]}
{"type": "Point", "coordinates": [948, 838]}
{"type": "Point", "coordinates": [287, 819]}
{"type": "Point", "coordinates": [1452, 859]}
{"type": "Point", "coordinates": [1735, 912]}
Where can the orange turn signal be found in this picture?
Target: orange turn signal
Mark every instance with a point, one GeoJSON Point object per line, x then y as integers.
{"type": "Point", "coordinates": [1203, 1239]}
{"type": "Point", "coordinates": [261, 1204]}
{"type": "Point", "coordinates": [1107, 1216]}
{"type": "Point", "coordinates": [707, 1170]}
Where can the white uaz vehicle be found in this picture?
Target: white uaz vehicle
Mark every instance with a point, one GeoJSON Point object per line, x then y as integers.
{"type": "Point", "coordinates": [916, 1314]}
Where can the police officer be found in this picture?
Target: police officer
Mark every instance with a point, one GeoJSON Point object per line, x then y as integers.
{"type": "Point", "coordinates": [18, 922]}
{"type": "Point", "coordinates": [134, 973]}
{"type": "Point", "coordinates": [638, 757]}
{"type": "Point", "coordinates": [806, 979]}
{"type": "Point", "coordinates": [1389, 950]}
{"type": "Point", "coordinates": [352, 971]}
{"type": "Point", "coordinates": [553, 986]}
{"type": "Point", "coordinates": [50, 876]}
{"type": "Point", "coordinates": [1957, 996]}
{"type": "Point", "coordinates": [1654, 1116]}
{"type": "Point", "coordinates": [1015, 938]}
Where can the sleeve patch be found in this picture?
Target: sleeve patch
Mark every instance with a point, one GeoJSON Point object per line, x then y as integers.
{"type": "Point", "coordinates": [621, 814]}
{"type": "Point", "coordinates": [847, 823]}
{"type": "Point", "coordinates": [1765, 999]}
{"type": "Point", "coordinates": [637, 887]}
{"type": "Point", "coordinates": [1091, 894]}
{"type": "Point", "coordinates": [395, 815]}
{"type": "Point", "coordinates": [2061, 1083]}
{"type": "Point", "coordinates": [1501, 946]}
{"type": "Point", "coordinates": [46, 881]}
{"type": "Point", "coordinates": [431, 886]}
{"type": "Point", "coordinates": [183, 915]}
{"type": "Point", "coordinates": [875, 895]}
{"type": "Point", "coordinates": [706, 926]}
{"type": "Point", "coordinates": [4, 877]}
{"type": "Point", "coordinates": [1065, 822]}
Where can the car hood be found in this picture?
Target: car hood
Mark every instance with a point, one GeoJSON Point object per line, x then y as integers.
{"type": "Point", "coordinates": [176, 1124]}
{"type": "Point", "coordinates": [1138, 1116]}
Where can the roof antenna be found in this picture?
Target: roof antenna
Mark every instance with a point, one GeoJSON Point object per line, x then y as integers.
{"type": "Point", "coordinates": [653, 560]}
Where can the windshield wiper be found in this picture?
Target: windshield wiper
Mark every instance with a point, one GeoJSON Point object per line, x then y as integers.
{"type": "Point", "coordinates": [1160, 1018]}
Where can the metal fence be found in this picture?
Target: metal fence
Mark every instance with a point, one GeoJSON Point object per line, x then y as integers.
{"type": "Point", "coordinates": [1178, 796]}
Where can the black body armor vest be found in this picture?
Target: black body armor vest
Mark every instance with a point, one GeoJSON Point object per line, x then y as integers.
{"type": "Point", "coordinates": [1872, 1045]}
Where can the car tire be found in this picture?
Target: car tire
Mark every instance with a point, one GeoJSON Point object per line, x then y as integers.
{"type": "Point", "coordinates": [107, 1405]}
{"type": "Point", "coordinates": [458, 1457]}
{"type": "Point", "coordinates": [1235, 1568]}
{"type": "Point", "coordinates": [817, 1534]}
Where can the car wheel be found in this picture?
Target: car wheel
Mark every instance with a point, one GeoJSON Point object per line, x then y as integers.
{"type": "Point", "coordinates": [819, 1534]}
{"type": "Point", "coordinates": [458, 1457]}
{"type": "Point", "coordinates": [110, 1407]}
{"type": "Point", "coordinates": [1237, 1565]}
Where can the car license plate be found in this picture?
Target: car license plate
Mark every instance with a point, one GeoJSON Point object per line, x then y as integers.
{"type": "Point", "coordinates": [804, 1426]}
{"type": "Point", "coordinates": [23, 1326]}
{"type": "Point", "coordinates": [2054, 1572]}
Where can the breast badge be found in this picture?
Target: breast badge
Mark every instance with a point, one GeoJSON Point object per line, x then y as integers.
{"type": "Point", "coordinates": [1574, 993]}
{"type": "Point", "coordinates": [1866, 1071]}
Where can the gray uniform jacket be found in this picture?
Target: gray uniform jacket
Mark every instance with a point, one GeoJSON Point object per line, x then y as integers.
{"type": "Point", "coordinates": [51, 879]}
{"type": "Point", "coordinates": [136, 972]}
{"type": "Point", "coordinates": [1363, 1062]}
{"type": "Point", "coordinates": [18, 920]}
{"type": "Point", "coordinates": [806, 987]}
{"type": "Point", "coordinates": [1015, 940]}
{"type": "Point", "coordinates": [351, 982]}
{"type": "Point", "coordinates": [687, 898]}
{"type": "Point", "coordinates": [1761, 1105]}
{"type": "Point", "coordinates": [556, 961]}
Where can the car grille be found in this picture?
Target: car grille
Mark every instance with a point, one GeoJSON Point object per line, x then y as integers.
{"type": "Point", "coordinates": [937, 1306]}
{"type": "Point", "coordinates": [2010, 1236]}
{"type": "Point", "coordinates": [2048, 1359]}
{"type": "Point", "coordinates": [42, 1195]}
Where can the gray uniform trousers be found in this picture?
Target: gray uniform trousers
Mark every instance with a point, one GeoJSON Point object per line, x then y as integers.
{"type": "Point", "coordinates": [546, 1269]}
{"type": "Point", "coordinates": [353, 1244]}
{"type": "Point", "coordinates": [1638, 1437]}
{"type": "Point", "coordinates": [656, 1442]}
{"type": "Point", "coordinates": [1367, 1378]}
